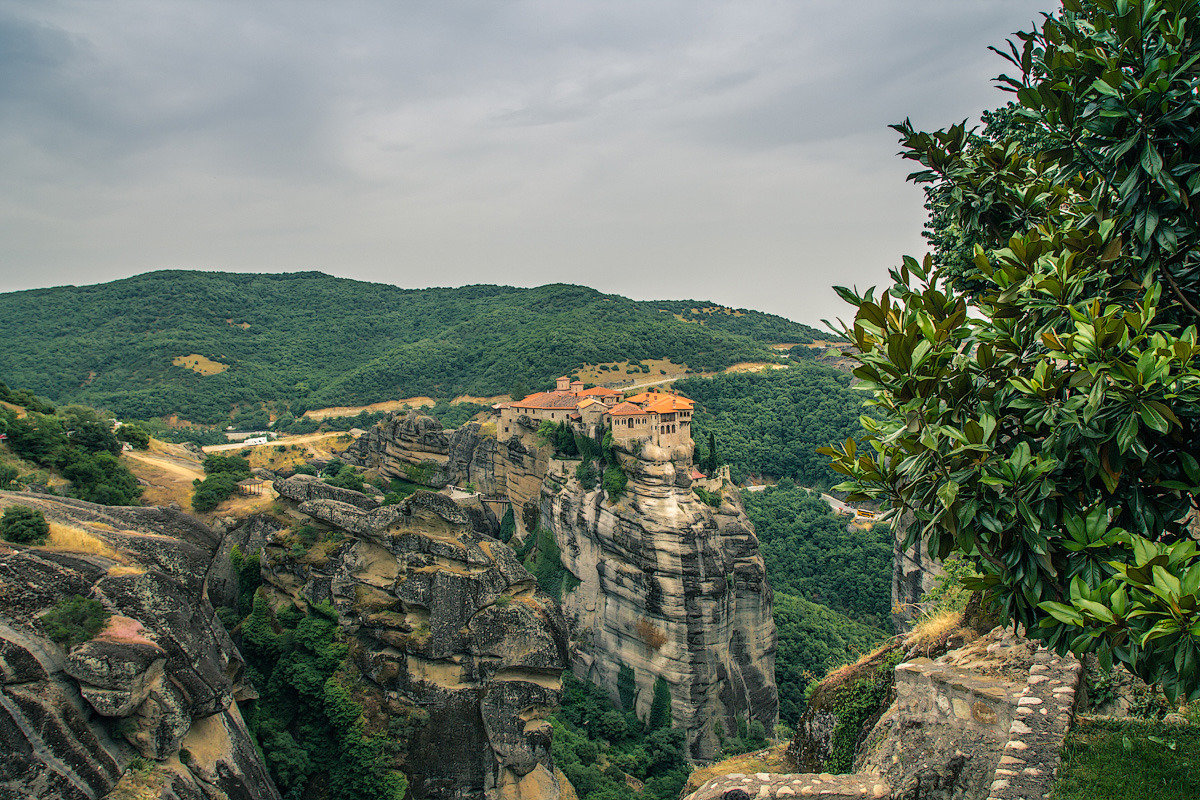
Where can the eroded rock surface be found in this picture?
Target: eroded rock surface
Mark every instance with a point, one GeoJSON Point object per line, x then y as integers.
{"type": "Point", "coordinates": [71, 721]}
{"type": "Point", "coordinates": [449, 627]}
{"type": "Point", "coordinates": [667, 587]}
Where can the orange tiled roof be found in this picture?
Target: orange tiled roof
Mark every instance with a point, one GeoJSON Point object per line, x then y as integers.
{"type": "Point", "coordinates": [599, 391]}
{"type": "Point", "coordinates": [545, 400]}
{"type": "Point", "coordinates": [669, 404]}
{"type": "Point", "coordinates": [626, 409]}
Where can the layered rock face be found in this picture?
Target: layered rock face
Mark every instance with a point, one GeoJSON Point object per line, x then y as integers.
{"type": "Point", "coordinates": [914, 573]}
{"type": "Point", "coordinates": [448, 628]}
{"type": "Point", "coordinates": [416, 447]}
{"type": "Point", "coordinates": [667, 586]}
{"type": "Point", "coordinates": [157, 682]}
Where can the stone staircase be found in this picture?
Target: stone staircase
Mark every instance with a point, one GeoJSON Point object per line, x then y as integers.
{"type": "Point", "coordinates": [984, 722]}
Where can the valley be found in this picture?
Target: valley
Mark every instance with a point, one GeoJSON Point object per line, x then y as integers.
{"type": "Point", "coordinates": [659, 591]}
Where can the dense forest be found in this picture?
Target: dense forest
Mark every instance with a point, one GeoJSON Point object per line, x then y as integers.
{"type": "Point", "coordinates": [808, 552]}
{"type": "Point", "coordinates": [73, 442]}
{"type": "Point", "coordinates": [832, 586]}
{"type": "Point", "coordinates": [304, 340]}
{"type": "Point", "coordinates": [771, 422]}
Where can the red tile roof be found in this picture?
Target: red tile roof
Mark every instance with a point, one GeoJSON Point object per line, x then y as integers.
{"type": "Point", "coordinates": [599, 391]}
{"type": "Point", "coordinates": [669, 404]}
{"type": "Point", "coordinates": [626, 410]}
{"type": "Point", "coordinates": [547, 400]}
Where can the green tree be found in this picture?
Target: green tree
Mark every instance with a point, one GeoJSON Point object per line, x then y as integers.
{"type": "Point", "coordinates": [24, 525]}
{"type": "Point", "coordinates": [1039, 408]}
{"type": "Point", "coordinates": [135, 435]}
{"type": "Point", "coordinates": [660, 706]}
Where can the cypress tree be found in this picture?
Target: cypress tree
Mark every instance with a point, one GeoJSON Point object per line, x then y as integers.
{"type": "Point", "coordinates": [660, 707]}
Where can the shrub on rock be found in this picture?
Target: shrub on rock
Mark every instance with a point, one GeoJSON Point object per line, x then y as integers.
{"type": "Point", "coordinates": [24, 525]}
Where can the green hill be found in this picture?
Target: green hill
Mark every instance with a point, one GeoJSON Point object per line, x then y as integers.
{"type": "Point", "coordinates": [200, 344]}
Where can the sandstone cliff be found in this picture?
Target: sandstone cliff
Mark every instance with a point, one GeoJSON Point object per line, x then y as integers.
{"type": "Point", "coordinates": [158, 682]}
{"type": "Point", "coordinates": [448, 627]}
{"type": "Point", "coordinates": [668, 587]}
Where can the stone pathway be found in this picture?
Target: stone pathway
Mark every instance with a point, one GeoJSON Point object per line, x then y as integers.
{"type": "Point", "coordinates": [763, 785]}
{"type": "Point", "coordinates": [1044, 714]}
{"type": "Point", "coordinates": [1027, 766]}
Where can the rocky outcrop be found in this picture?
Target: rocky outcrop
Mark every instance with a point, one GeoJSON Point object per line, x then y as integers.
{"type": "Point", "coordinates": [72, 720]}
{"type": "Point", "coordinates": [448, 629]}
{"type": "Point", "coordinates": [302, 488]}
{"type": "Point", "coordinates": [411, 446]}
{"type": "Point", "coordinates": [670, 588]}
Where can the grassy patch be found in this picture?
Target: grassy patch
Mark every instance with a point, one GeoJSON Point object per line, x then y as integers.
{"type": "Point", "coordinates": [199, 364]}
{"type": "Point", "coordinates": [774, 759]}
{"type": "Point", "coordinates": [70, 539]}
{"type": "Point", "coordinates": [1118, 760]}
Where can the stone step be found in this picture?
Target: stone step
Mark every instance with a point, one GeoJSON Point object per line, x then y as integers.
{"type": "Point", "coordinates": [764, 785]}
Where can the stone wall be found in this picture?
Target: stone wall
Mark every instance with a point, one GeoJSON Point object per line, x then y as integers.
{"type": "Point", "coordinates": [984, 722]}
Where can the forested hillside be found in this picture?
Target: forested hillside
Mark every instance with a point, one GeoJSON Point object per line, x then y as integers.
{"type": "Point", "coordinates": [771, 422]}
{"type": "Point", "coordinates": [832, 586]}
{"type": "Point", "coordinates": [201, 343]}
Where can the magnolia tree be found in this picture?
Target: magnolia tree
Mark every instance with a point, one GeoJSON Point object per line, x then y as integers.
{"type": "Point", "coordinates": [1039, 394]}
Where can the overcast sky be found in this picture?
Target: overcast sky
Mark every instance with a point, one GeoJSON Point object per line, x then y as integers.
{"type": "Point", "coordinates": [734, 151]}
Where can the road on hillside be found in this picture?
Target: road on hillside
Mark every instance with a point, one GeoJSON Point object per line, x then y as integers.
{"type": "Point", "coordinates": [837, 505]}
{"type": "Point", "coordinates": [309, 437]}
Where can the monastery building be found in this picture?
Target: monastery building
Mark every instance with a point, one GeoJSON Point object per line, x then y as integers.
{"type": "Point", "coordinates": [662, 418]}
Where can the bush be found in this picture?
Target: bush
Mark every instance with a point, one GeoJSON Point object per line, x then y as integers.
{"type": "Point", "coordinates": [214, 464]}
{"type": "Point", "coordinates": [346, 478]}
{"type": "Point", "coordinates": [586, 473]}
{"type": "Point", "coordinates": [136, 436]}
{"type": "Point", "coordinates": [614, 482]}
{"type": "Point", "coordinates": [213, 490]}
{"type": "Point", "coordinates": [75, 620]}
{"type": "Point", "coordinates": [24, 525]}
{"type": "Point", "coordinates": [7, 475]}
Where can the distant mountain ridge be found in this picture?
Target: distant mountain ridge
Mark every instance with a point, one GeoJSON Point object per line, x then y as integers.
{"type": "Point", "coordinates": [199, 344]}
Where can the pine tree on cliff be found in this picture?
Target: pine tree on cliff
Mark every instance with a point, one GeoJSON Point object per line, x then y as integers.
{"type": "Point", "coordinates": [710, 463]}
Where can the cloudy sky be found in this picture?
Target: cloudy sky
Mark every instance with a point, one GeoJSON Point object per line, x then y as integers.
{"type": "Point", "coordinates": [734, 151]}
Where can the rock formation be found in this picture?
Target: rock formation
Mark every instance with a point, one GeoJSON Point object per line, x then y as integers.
{"type": "Point", "coordinates": [157, 682]}
{"type": "Point", "coordinates": [914, 573]}
{"type": "Point", "coordinates": [668, 587]}
{"type": "Point", "coordinates": [449, 627]}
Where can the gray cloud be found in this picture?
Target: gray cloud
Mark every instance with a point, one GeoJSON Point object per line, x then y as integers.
{"type": "Point", "coordinates": [734, 150]}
